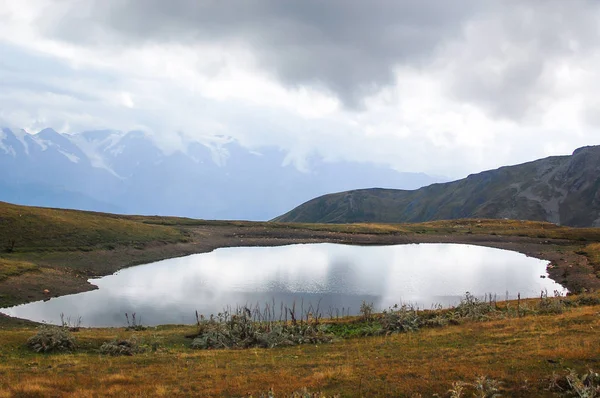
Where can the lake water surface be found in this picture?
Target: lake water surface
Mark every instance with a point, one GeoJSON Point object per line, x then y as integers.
{"type": "Point", "coordinates": [337, 277]}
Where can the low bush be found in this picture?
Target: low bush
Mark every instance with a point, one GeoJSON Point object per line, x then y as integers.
{"type": "Point", "coordinates": [574, 385]}
{"type": "Point", "coordinates": [583, 300]}
{"type": "Point", "coordinates": [121, 347]}
{"type": "Point", "coordinates": [238, 330]}
{"type": "Point", "coordinates": [472, 308]}
{"type": "Point", "coordinates": [482, 387]}
{"type": "Point", "coordinates": [51, 338]}
{"type": "Point", "coordinates": [403, 318]}
{"type": "Point", "coordinates": [549, 305]}
{"type": "Point", "coordinates": [302, 393]}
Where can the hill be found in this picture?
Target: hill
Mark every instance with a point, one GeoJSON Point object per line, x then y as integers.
{"type": "Point", "coordinates": [561, 189]}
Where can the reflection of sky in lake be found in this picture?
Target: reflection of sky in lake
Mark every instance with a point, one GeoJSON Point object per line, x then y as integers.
{"type": "Point", "coordinates": [334, 276]}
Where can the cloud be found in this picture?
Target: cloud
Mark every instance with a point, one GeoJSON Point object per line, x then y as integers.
{"type": "Point", "coordinates": [349, 47]}
{"type": "Point", "coordinates": [510, 62]}
{"type": "Point", "coordinates": [442, 87]}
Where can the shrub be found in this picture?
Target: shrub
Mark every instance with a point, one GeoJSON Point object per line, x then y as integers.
{"type": "Point", "coordinates": [238, 330]}
{"type": "Point", "coordinates": [482, 387]}
{"type": "Point", "coordinates": [302, 393]}
{"type": "Point", "coordinates": [51, 338]}
{"type": "Point", "coordinates": [583, 299]}
{"type": "Point", "coordinates": [585, 386]}
{"type": "Point", "coordinates": [366, 311]}
{"type": "Point", "coordinates": [471, 307]}
{"type": "Point", "coordinates": [573, 385]}
{"type": "Point", "coordinates": [403, 318]}
{"type": "Point", "coordinates": [549, 305]}
{"type": "Point", "coordinates": [121, 347]}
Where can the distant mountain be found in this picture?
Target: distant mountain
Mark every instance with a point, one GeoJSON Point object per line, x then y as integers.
{"type": "Point", "coordinates": [562, 189]}
{"type": "Point", "coordinates": [127, 172]}
{"type": "Point", "coordinates": [48, 196]}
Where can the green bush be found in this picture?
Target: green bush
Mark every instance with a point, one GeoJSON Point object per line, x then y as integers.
{"type": "Point", "coordinates": [51, 338]}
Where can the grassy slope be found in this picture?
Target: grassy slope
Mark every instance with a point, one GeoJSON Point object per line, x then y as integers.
{"type": "Point", "coordinates": [515, 192]}
{"type": "Point", "coordinates": [37, 229]}
{"type": "Point", "coordinates": [522, 353]}
{"type": "Point", "coordinates": [10, 268]}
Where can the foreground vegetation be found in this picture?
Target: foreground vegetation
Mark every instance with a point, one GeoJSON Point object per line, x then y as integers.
{"type": "Point", "coordinates": [537, 347]}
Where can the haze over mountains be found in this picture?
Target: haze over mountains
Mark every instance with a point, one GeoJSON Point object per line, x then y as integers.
{"type": "Point", "coordinates": [560, 189]}
{"type": "Point", "coordinates": [127, 172]}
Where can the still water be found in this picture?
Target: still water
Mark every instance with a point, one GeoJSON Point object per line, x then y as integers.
{"type": "Point", "coordinates": [337, 277]}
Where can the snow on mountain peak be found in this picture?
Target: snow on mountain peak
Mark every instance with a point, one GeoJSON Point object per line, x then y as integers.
{"type": "Point", "coordinates": [20, 134]}
{"type": "Point", "coordinates": [7, 149]}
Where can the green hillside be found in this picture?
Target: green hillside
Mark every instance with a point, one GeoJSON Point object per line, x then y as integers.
{"type": "Point", "coordinates": [26, 229]}
{"type": "Point", "coordinates": [563, 190]}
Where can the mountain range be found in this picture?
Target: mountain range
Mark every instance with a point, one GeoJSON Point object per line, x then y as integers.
{"type": "Point", "coordinates": [128, 172]}
{"type": "Point", "coordinates": [560, 189]}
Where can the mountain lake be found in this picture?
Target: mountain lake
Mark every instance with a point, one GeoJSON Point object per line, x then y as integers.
{"type": "Point", "coordinates": [329, 279]}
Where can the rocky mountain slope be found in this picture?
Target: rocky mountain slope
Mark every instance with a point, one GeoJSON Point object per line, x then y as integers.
{"type": "Point", "coordinates": [561, 189]}
{"type": "Point", "coordinates": [128, 172]}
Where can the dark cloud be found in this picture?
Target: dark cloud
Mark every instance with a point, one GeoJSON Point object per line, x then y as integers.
{"type": "Point", "coordinates": [500, 55]}
{"type": "Point", "coordinates": [349, 47]}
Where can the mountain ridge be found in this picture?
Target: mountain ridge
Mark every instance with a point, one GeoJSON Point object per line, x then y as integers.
{"type": "Point", "coordinates": [559, 189]}
{"type": "Point", "coordinates": [129, 172]}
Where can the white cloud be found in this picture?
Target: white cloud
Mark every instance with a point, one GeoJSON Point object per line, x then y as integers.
{"type": "Point", "coordinates": [502, 88]}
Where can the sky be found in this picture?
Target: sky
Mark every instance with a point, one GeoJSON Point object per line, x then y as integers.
{"type": "Point", "coordinates": [442, 87]}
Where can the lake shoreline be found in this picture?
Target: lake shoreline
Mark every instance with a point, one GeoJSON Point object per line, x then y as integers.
{"type": "Point", "coordinates": [569, 267]}
{"type": "Point", "coordinates": [331, 277]}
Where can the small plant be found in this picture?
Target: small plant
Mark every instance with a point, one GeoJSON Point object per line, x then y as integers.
{"type": "Point", "coordinates": [121, 347]}
{"type": "Point", "coordinates": [10, 247]}
{"type": "Point", "coordinates": [134, 324]}
{"type": "Point", "coordinates": [366, 311]}
{"type": "Point", "coordinates": [549, 305]}
{"type": "Point", "coordinates": [51, 338]}
{"type": "Point", "coordinates": [458, 389]}
{"type": "Point", "coordinates": [482, 387]}
{"type": "Point", "coordinates": [67, 323]}
{"type": "Point", "coordinates": [486, 387]}
{"type": "Point", "coordinates": [573, 385]}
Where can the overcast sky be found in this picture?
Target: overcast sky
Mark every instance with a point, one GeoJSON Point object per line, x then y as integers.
{"type": "Point", "coordinates": [442, 87]}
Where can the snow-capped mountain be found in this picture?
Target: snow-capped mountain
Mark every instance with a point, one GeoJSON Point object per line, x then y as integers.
{"type": "Point", "coordinates": [128, 172]}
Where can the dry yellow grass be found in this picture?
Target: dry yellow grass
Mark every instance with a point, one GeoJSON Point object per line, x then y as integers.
{"type": "Point", "coordinates": [521, 352]}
